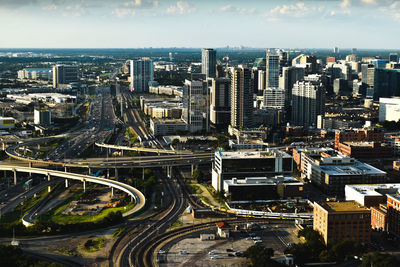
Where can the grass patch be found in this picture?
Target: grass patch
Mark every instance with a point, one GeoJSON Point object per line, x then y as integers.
{"type": "Point", "coordinates": [118, 232]}
{"type": "Point", "coordinates": [67, 251]}
{"type": "Point", "coordinates": [176, 224]}
{"type": "Point", "coordinates": [71, 219]}
{"type": "Point", "coordinates": [93, 245]}
{"type": "Point", "coordinates": [195, 189]}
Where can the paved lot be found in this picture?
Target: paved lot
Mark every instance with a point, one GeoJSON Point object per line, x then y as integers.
{"type": "Point", "coordinates": [275, 236]}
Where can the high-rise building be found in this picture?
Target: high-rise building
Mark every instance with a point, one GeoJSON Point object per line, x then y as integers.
{"type": "Point", "coordinates": [42, 116]}
{"type": "Point", "coordinates": [241, 98]}
{"type": "Point", "coordinates": [308, 98]}
{"type": "Point", "coordinates": [386, 83]}
{"type": "Point", "coordinates": [393, 57]}
{"type": "Point", "coordinates": [290, 75]}
{"type": "Point", "coordinates": [261, 80]}
{"type": "Point", "coordinates": [220, 108]}
{"type": "Point", "coordinates": [274, 98]}
{"type": "Point", "coordinates": [63, 74]}
{"type": "Point", "coordinates": [272, 69]}
{"type": "Point", "coordinates": [368, 74]}
{"type": "Point", "coordinates": [336, 50]}
{"type": "Point", "coordinates": [307, 62]}
{"type": "Point", "coordinates": [208, 62]}
{"type": "Point", "coordinates": [283, 60]}
{"type": "Point", "coordinates": [141, 74]}
{"type": "Point", "coordinates": [196, 103]}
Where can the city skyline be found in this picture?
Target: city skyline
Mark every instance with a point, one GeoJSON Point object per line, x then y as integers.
{"type": "Point", "coordinates": [154, 23]}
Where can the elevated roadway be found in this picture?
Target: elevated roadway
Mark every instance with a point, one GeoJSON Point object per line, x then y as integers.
{"type": "Point", "coordinates": [144, 149]}
{"type": "Point", "coordinates": [133, 192]}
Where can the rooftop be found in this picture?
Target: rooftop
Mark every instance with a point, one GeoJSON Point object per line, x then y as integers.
{"type": "Point", "coordinates": [251, 181]}
{"type": "Point", "coordinates": [356, 168]}
{"type": "Point", "coordinates": [336, 206]}
{"type": "Point", "coordinates": [269, 153]}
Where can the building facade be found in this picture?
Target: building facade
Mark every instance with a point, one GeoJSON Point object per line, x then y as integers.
{"type": "Point", "coordinates": [142, 72]}
{"type": "Point", "coordinates": [220, 102]}
{"type": "Point", "coordinates": [208, 62]}
{"type": "Point", "coordinates": [272, 69]}
{"type": "Point", "coordinates": [241, 98]}
{"type": "Point", "coordinates": [337, 221]}
{"type": "Point", "coordinates": [244, 164]}
{"type": "Point", "coordinates": [63, 74]}
{"type": "Point", "coordinates": [196, 103]}
{"type": "Point", "coordinates": [308, 99]}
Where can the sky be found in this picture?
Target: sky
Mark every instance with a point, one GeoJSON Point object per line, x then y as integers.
{"type": "Point", "coordinates": [368, 24]}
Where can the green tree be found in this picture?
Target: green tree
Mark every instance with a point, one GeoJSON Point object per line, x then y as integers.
{"type": "Point", "coordinates": [198, 175]}
{"type": "Point", "coordinates": [260, 256]}
{"type": "Point", "coordinates": [377, 259]}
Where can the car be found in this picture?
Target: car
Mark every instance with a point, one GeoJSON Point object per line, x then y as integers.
{"type": "Point", "coordinates": [257, 241]}
{"type": "Point", "coordinates": [214, 257]}
{"type": "Point", "coordinates": [231, 255]}
{"type": "Point", "coordinates": [161, 251]}
{"type": "Point", "coordinates": [229, 250]}
{"type": "Point", "coordinates": [212, 252]}
{"type": "Point", "coordinates": [249, 238]}
{"type": "Point", "coordinates": [239, 253]}
{"type": "Point", "coordinates": [184, 252]}
{"type": "Point", "coordinates": [256, 238]}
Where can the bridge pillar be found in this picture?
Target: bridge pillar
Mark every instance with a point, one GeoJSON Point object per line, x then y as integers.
{"type": "Point", "coordinates": [192, 169]}
{"type": "Point", "coordinates": [143, 175]}
{"type": "Point", "coordinates": [65, 169]}
{"type": "Point", "coordinates": [90, 170]}
{"type": "Point", "coordinates": [66, 183]}
{"type": "Point", "coordinates": [116, 174]}
{"type": "Point", "coordinates": [122, 153]}
{"type": "Point", "coordinates": [15, 176]}
{"type": "Point", "coordinates": [3, 145]}
{"type": "Point", "coordinates": [84, 185]}
{"type": "Point", "coordinates": [5, 174]}
{"type": "Point", "coordinates": [38, 146]}
{"type": "Point", "coordinates": [112, 191]}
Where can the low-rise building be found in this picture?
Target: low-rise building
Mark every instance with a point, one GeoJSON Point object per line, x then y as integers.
{"type": "Point", "coordinates": [337, 221]}
{"type": "Point", "coordinates": [361, 150]}
{"type": "Point", "coordinates": [331, 170]}
{"type": "Point", "coordinates": [167, 126]}
{"type": "Point", "coordinates": [263, 188]}
{"type": "Point", "coordinates": [7, 123]}
{"type": "Point", "coordinates": [384, 202]}
{"type": "Point", "coordinates": [358, 135]}
{"type": "Point", "coordinates": [244, 164]}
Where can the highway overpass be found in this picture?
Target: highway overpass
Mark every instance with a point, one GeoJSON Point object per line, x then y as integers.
{"type": "Point", "coordinates": [133, 192]}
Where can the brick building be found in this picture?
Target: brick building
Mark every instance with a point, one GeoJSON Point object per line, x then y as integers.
{"type": "Point", "coordinates": [365, 150]}
{"type": "Point", "coordinates": [358, 135]}
{"type": "Point", "coordinates": [342, 220]}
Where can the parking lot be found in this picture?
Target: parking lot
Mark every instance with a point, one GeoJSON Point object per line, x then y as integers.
{"type": "Point", "coordinates": [225, 252]}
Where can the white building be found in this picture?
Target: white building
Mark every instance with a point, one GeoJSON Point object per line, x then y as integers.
{"type": "Point", "coordinates": [389, 109]}
{"type": "Point", "coordinates": [42, 117]}
{"type": "Point", "coordinates": [370, 194]}
{"type": "Point", "coordinates": [34, 74]}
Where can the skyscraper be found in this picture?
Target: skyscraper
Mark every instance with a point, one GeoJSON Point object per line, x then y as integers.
{"type": "Point", "coordinates": [196, 103]}
{"type": "Point", "coordinates": [63, 74]}
{"type": "Point", "coordinates": [393, 57]}
{"type": "Point", "coordinates": [208, 62]}
{"type": "Point", "coordinates": [290, 75]}
{"type": "Point", "coordinates": [272, 69]}
{"type": "Point", "coordinates": [308, 102]}
{"type": "Point", "coordinates": [386, 83]}
{"type": "Point", "coordinates": [141, 74]}
{"type": "Point", "coordinates": [220, 102]}
{"type": "Point", "coordinates": [368, 74]}
{"type": "Point", "coordinates": [241, 98]}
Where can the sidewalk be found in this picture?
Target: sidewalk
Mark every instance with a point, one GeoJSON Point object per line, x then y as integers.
{"type": "Point", "coordinates": [208, 196]}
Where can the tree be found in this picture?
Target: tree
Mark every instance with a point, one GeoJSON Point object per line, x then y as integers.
{"type": "Point", "coordinates": [377, 259]}
{"type": "Point", "coordinates": [198, 175]}
{"type": "Point", "coordinates": [260, 256]}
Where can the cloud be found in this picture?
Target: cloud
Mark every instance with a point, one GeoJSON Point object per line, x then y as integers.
{"type": "Point", "coordinates": [298, 10]}
{"type": "Point", "coordinates": [239, 10]}
{"type": "Point", "coordinates": [181, 8]}
{"type": "Point", "coordinates": [130, 8]}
